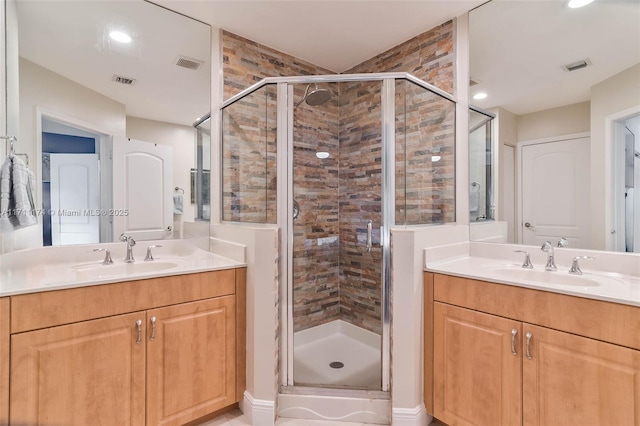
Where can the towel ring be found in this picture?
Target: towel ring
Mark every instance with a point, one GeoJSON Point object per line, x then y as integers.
{"type": "Point", "coordinates": [177, 188]}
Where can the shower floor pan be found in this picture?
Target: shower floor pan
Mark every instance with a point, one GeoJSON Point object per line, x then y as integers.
{"type": "Point", "coordinates": [337, 354]}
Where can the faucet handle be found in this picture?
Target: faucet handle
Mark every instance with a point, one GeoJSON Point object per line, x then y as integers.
{"type": "Point", "coordinates": [562, 242]}
{"type": "Point", "coordinates": [527, 259]}
{"type": "Point", "coordinates": [107, 256]}
{"type": "Point", "coordinates": [546, 246]}
{"type": "Point", "coordinates": [575, 266]}
{"type": "Point", "coordinates": [149, 256]}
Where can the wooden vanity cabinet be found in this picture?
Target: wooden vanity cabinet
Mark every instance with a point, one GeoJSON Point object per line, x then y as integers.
{"type": "Point", "coordinates": [166, 365]}
{"type": "Point", "coordinates": [4, 360]}
{"type": "Point", "coordinates": [87, 373]}
{"type": "Point", "coordinates": [190, 360]}
{"type": "Point", "coordinates": [484, 372]}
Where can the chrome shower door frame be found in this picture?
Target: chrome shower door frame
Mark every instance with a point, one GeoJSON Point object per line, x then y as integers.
{"type": "Point", "coordinates": [387, 191]}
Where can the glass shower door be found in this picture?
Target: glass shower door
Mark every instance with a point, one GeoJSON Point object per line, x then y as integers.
{"type": "Point", "coordinates": [336, 220]}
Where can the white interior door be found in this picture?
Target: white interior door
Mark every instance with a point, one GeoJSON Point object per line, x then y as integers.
{"type": "Point", "coordinates": [75, 199]}
{"type": "Point", "coordinates": [555, 192]}
{"type": "Point", "coordinates": [142, 189]}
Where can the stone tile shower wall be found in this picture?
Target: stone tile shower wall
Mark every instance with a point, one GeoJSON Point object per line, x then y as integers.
{"type": "Point", "coordinates": [249, 155]}
{"type": "Point", "coordinates": [316, 232]}
{"type": "Point", "coordinates": [360, 201]}
{"type": "Point", "coordinates": [335, 278]}
{"type": "Point", "coordinates": [425, 191]}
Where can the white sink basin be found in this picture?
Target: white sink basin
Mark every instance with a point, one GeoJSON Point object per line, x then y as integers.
{"type": "Point", "coordinates": [97, 272]}
{"type": "Point", "coordinates": [555, 278]}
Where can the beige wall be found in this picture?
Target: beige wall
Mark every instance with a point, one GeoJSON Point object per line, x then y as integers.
{"type": "Point", "coordinates": [182, 140]}
{"type": "Point", "coordinates": [42, 89]}
{"type": "Point", "coordinates": [612, 96]}
{"type": "Point", "coordinates": [564, 120]}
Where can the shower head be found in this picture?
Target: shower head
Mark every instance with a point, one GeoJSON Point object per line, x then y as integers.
{"type": "Point", "coordinates": [316, 96]}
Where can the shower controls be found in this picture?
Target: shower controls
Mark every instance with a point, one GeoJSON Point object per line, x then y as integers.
{"type": "Point", "coordinates": [369, 229]}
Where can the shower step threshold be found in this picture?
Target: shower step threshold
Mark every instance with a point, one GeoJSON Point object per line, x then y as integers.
{"type": "Point", "coordinates": [334, 391]}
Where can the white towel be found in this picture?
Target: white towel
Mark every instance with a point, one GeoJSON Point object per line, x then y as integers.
{"type": "Point", "coordinates": [17, 202]}
{"type": "Point", "coordinates": [177, 203]}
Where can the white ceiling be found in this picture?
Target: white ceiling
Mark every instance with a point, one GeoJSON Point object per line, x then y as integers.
{"type": "Point", "coordinates": [517, 49]}
{"type": "Point", "coordinates": [71, 38]}
{"type": "Point", "coordinates": [332, 34]}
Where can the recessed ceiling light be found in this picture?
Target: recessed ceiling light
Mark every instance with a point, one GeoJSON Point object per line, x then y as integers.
{"type": "Point", "coordinates": [479, 95]}
{"type": "Point", "coordinates": [198, 119]}
{"type": "Point", "coordinates": [574, 4]}
{"type": "Point", "coordinates": [120, 37]}
{"type": "Point", "coordinates": [322, 155]}
{"type": "Point", "coordinates": [435, 158]}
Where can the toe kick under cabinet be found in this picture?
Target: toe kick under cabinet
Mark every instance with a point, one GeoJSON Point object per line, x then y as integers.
{"type": "Point", "coordinates": [505, 355]}
{"type": "Point", "coordinates": [161, 351]}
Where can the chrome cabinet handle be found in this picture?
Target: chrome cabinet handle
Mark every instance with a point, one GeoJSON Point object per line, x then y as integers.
{"type": "Point", "coordinates": [529, 336]}
{"type": "Point", "coordinates": [514, 333]}
{"type": "Point", "coordinates": [369, 228]}
{"type": "Point", "coordinates": [153, 328]}
{"type": "Point", "coordinates": [139, 327]}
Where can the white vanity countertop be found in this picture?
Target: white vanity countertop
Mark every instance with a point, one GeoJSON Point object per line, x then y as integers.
{"type": "Point", "coordinates": [57, 268]}
{"type": "Point", "coordinates": [483, 263]}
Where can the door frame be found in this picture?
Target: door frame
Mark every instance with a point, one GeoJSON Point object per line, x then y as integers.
{"type": "Point", "coordinates": [285, 221]}
{"type": "Point", "coordinates": [518, 172]}
{"type": "Point", "coordinates": [612, 130]}
{"type": "Point", "coordinates": [105, 170]}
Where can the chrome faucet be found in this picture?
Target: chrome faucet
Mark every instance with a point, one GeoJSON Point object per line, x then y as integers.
{"type": "Point", "coordinates": [130, 243]}
{"type": "Point", "coordinates": [551, 263]}
{"type": "Point", "coordinates": [527, 259]}
{"type": "Point", "coordinates": [575, 266]}
{"type": "Point", "coordinates": [548, 248]}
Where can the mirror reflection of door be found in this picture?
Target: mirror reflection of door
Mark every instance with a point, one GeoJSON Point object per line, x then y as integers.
{"type": "Point", "coordinates": [72, 183]}
{"type": "Point", "coordinates": [142, 189]}
{"type": "Point", "coordinates": [555, 192]}
{"type": "Point", "coordinates": [625, 232]}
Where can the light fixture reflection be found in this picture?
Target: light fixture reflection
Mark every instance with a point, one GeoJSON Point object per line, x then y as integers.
{"type": "Point", "coordinates": [435, 158]}
{"type": "Point", "coordinates": [322, 155]}
{"type": "Point", "coordinates": [120, 37]}
{"type": "Point", "coordinates": [574, 4]}
{"type": "Point", "coordinates": [480, 95]}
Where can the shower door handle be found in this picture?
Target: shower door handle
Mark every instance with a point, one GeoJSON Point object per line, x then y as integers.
{"type": "Point", "coordinates": [369, 229]}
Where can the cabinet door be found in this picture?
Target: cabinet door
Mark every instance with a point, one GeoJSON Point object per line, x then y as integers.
{"type": "Point", "coordinates": [88, 373]}
{"type": "Point", "coordinates": [190, 360]}
{"type": "Point", "coordinates": [571, 380]}
{"type": "Point", "coordinates": [477, 379]}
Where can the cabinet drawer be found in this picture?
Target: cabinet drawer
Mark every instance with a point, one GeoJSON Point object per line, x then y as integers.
{"type": "Point", "coordinates": [51, 308]}
{"type": "Point", "coordinates": [606, 321]}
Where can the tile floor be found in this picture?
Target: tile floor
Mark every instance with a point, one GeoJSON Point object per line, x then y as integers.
{"type": "Point", "coordinates": [236, 418]}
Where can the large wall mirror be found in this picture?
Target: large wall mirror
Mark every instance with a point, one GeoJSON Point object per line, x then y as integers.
{"type": "Point", "coordinates": [109, 101]}
{"type": "Point", "coordinates": [556, 148]}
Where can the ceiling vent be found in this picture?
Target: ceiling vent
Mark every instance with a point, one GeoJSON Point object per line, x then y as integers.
{"type": "Point", "coordinates": [123, 80]}
{"type": "Point", "coordinates": [189, 63]}
{"type": "Point", "coordinates": [574, 66]}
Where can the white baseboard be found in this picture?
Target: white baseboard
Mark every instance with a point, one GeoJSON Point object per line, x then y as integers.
{"type": "Point", "coordinates": [410, 416]}
{"type": "Point", "coordinates": [259, 412]}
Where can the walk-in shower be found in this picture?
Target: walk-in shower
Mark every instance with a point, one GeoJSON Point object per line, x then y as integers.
{"type": "Point", "coordinates": [336, 161]}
